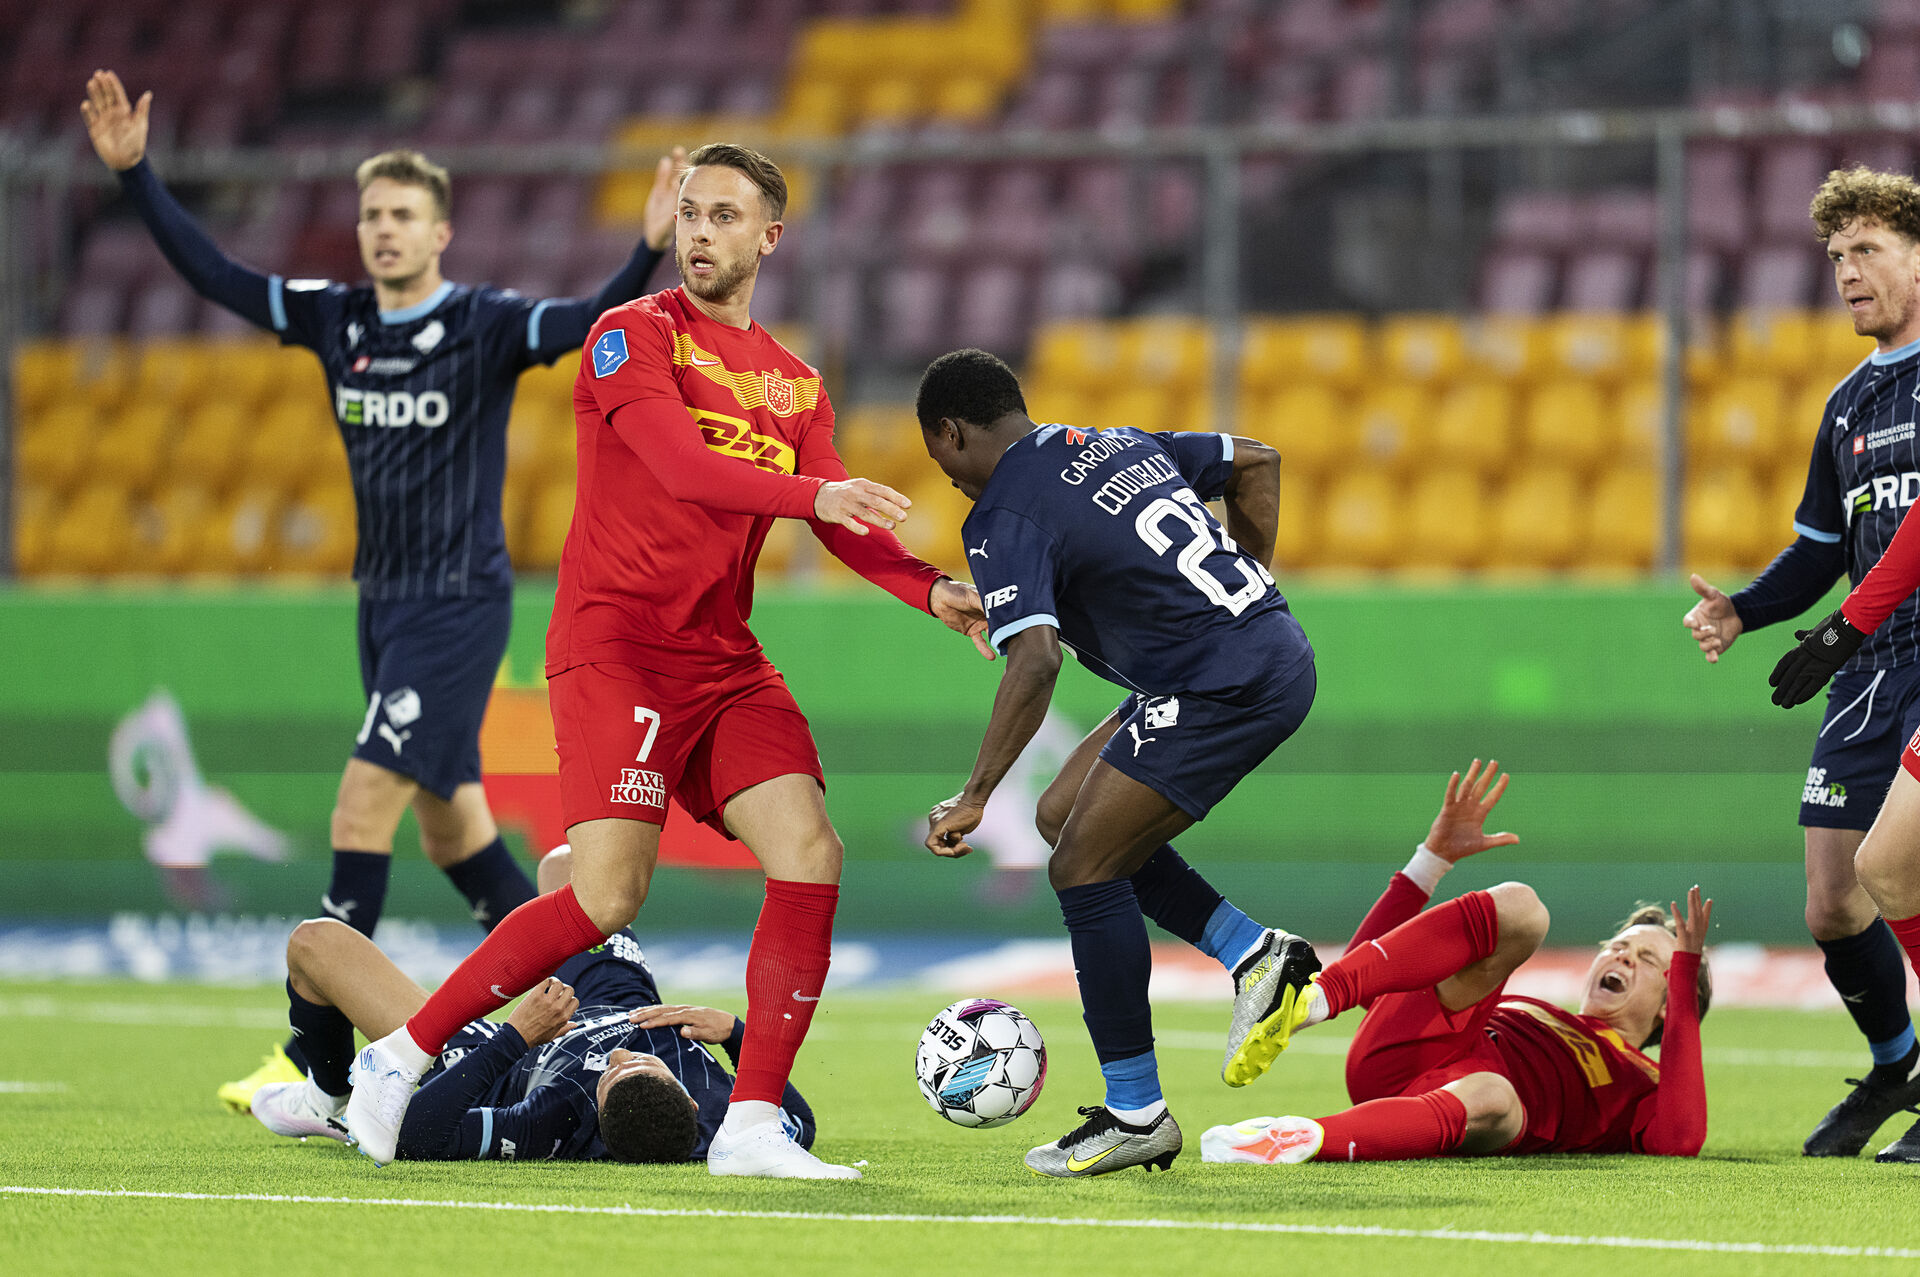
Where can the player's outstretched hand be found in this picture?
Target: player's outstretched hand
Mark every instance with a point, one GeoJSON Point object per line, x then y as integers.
{"type": "Point", "coordinates": [1805, 669]}
{"type": "Point", "coordinates": [949, 824]}
{"type": "Point", "coordinates": [697, 1024]}
{"type": "Point", "coordinates": [1713, 621]}
{"type": "Point", "coordinates": [118, 128]}
{"type": "Point", "coordinates": [663, 201]}
{"type": "Point", "coordinates": [1457, 830]}
{"type": "Point", "coordinates": [545, 1013]}
{"type": "Point", "coordinates": [1690, 928]}
{"type": "Point", "coordinates": [957, 605]}
{"type": "Point", "coordinates": [854, 503]}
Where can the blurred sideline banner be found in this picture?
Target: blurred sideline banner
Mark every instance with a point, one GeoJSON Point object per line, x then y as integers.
{"type": "Point", "coordinates": [1638, 768]}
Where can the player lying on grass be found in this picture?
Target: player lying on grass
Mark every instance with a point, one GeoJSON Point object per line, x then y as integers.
{"type": "Point", "coordinates": [589, 1065]}
{"type": "Point", "coordinates": [1099, 542]}
{"type": "Point", "coordinates": [1446, 1062]}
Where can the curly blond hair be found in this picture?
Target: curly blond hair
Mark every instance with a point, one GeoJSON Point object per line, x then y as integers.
{"type": "Point", "coordinates": [1866, 195]}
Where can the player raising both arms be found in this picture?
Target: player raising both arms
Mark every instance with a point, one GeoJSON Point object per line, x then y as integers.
{"type": "Point", "coordinates": [1100, 542]}
{"type": "Point", "coordinates": [421, 373]}
{"type": "Point", "coordinates": [696, 429]}
{"type": "Point", "coordinates": [589, 1065]}
{"type": "Point", "coordinates": [1446, 1062]}
{"type": "Point", "coordinates": [1865, 457]}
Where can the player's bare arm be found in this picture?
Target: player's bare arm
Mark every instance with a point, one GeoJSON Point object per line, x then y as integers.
{"type": "Point", "coordinates": [956, 604]}
{"type": "Point", "coordinates": [696, 1024]}
{"type": "Point", "coordinates": [117, 128]}
{"type": "Point", "coordinates": [545, 1013]}
{"type": "Point", "coordinates": [1019, 707]}
{"type": "Point", "coordinates": [1459, 830]}
{"type": "Point", "coordinates": [1713, 622]}
{"type": "Point", "coordinates": [1252, 498]}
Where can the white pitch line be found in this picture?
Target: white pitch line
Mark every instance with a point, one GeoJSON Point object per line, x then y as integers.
{"type": "Point", "coordinates": [31, 1088]}
{"type": "Point", "coordinates": [1037, 1221]}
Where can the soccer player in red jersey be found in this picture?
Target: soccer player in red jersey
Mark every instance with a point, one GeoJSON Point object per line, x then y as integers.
{"type": "Point", "coordinates": [1445, 1062]}
{"type": "Point", "coordinates": [696, 429]}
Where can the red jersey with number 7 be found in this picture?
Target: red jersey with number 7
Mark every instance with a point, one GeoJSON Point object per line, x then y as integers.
{"type": "Point", "coordinates": [693, 437]}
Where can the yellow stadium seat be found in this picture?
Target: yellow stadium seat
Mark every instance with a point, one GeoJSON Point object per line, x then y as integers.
{"type": "Point", "coordinates": [292, 445]}
{"type": "Point", "coordinates": [208, 450]}
{"type": "Point", "coordinates": [1706, 358]}
{"type": "Point", "coordinates": [90, 533]}
{"type": "Point", "coordinates": [1513, 348]}
{"type": "Point", "coordinates": [1296, 541]}
{"type": "Point", "coordinates": [1050, 403]}
{"type": "Point", "coordinates": [1422, 348]}
{"type": "Point", "coordinates": [1724, 523]}
{"type": "Point", "coordinates": [1639, 416]}
{"type": "Point", "coordinates": [1565, 424]}
{"type": "Point", "coordinates": [1362, 521]}
{"type": "Point", "coordinates": [813, 109]}
{"type": "Point", "coordinates": [1167, 350]}
{"type": "Point", "coordinates": [1318, 348]}
{"type": "Point", "coordinates": [1772, 343]}
{"type": "Point", "coordinates": [534, 433]}
{"type": "Point", "coordinates": [881, 441]}
{"type": "Point", "coordinates": [246, 372]}
{"type": "Point", "coordinates": [1739, 423]}
{"type": "Point", "coordinates": [1840, 348]}
{"type": "Point", "coordinates": [237, 534]}
{"type": "Point", "coordinates": [131, 450]}
{"type": "Point", "coordinates": [965, 99]}
{"type": "Point", "coordinates": [1800, 423]}
{"type": "Point", "coordinates": [1392, 425]}
{"type": "Point", "coordinates": [54, 453]}
{"type": "Point", "coordinates": [1071, 12]}
{"type": "Point", "coordinates": [43, 371]}
{"type": "Point", "coordinates": [98, 374]}
{"type": "Point", "coordinates": [548, 519]}
{"type": "Point", "coordinates": [1473, 426]}
{"type": "Point", "coordinates": [1536, 520]}
{"type": "Point", "coordinates": [166, 527]}
{"type": "Point", "coordinates": [173, 371]}
{"type": "Point", "coordinates": [932, 529]}
{"type": "Point", "coordinates": [1622, 526]}
{"type": "Point", "coordinates": [1308, 427]}
{"type": "Point", "coordinates": [1592, 346]}
{"type": "Point", "coordinates": [1082, 355]}
{"type": "Point", "coordinates": [785, 541]}
{"type": "Point", "coordinates": [317, 531]}
{"type": "Point", "coordinates": [1780, 501]}
{"type": "Point", "coordinates": [34, 508]}
{"type": "Point", "coordinates": [891, 99]}
{"type": "Point", "coordinates": [1144, 10]}
{"type": "Point", "coordinates": [1142, 407]}
{"type": "Point", "coordinates": [1447, 525]}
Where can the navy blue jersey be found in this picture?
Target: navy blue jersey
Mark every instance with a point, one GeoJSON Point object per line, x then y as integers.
{"type": "Point", "coordinates": [488, 1096]}
{"type": "Point", "coordinates": [1105, 536]}
{"type": "Point", "coordinates": [1864, 474]}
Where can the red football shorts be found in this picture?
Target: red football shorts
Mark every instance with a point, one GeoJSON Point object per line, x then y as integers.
{"type": "Point", "coordinates": [1409, 1044]}
{"type": "Point", "coordinates": [630, 738]}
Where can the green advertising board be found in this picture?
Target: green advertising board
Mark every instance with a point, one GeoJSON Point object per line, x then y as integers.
{"type": "Point", "coordinates": [1639, 769]}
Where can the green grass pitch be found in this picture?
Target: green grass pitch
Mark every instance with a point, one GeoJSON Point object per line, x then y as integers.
{"type": "Point", "coordinates": [109, 1088]}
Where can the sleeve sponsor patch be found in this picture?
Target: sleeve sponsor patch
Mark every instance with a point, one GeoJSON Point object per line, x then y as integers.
{"type": "Point", "coordinates": [609, 352]}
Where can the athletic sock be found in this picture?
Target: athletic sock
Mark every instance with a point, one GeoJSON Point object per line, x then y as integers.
{"type": "Point", "coordinates": [1112, 963]}
{"type": "Point", "coordinates": [358, 889]}
{"type": "Point", "coordinates": [786, 969]}
{"type": "Point", "coordinates": [1174, 895]}
{"type": "Point", "coordinates": [516, 955]}
{"type": "Point", "coordinates": [1133, 1088]}
{"type": "Point", "coordinates": [493, 883]}
{"type": "Point", "coordinates": [325, 1039]}
{"type": "Point", "coordinates": [745, 1114]}
{"type": "Point", "coordinates": [1417, 954]}
{"type": "Point", "coordinates": [1865, 970]}
{"type": "Point", "coordinates": [1395, 1129]}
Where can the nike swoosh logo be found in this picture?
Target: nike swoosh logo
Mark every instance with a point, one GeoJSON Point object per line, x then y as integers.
{"type": "Point", "coordinates": [1076, 1165]}
{"type": "Point", "coordinates": [498, 994]}
{"type": "Point", "coordinates": [704, 363]}
{"type": "Point", "coordinates": [801, 998]}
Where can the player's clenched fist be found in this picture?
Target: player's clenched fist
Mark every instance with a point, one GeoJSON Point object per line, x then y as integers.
{"type": "Point", "coordinates": [854, 503]}
{"type": "Point", "coordinates": [949, 824]}
{"type": "Point", "coordinates": [1713, 622]}
{"type": "Point", "coordinates": [545, 1013]}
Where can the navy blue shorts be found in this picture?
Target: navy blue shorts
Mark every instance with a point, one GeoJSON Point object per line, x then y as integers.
{"type": "Point", "coordinates": [1870, 714]}
{"type": "Point", "coordinates": [1192, 751]}
{"type": "Point", "coordinates": [427, 668]}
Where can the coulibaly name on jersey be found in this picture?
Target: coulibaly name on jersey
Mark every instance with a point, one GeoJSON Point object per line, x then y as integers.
{"type": "Point", "coordinates": [391, 408]}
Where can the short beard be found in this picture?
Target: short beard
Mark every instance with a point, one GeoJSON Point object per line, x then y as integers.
{"type": "Point", "coordinates": [724, 282]}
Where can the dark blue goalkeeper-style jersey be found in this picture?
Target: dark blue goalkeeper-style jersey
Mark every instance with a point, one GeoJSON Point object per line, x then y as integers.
{"type": "Point", "coordinates": [1105, 536]}
{"type": "Point", "coordinates": [488, 1096]}
{"type": "Point", "coordinates": [421, 396]}
{"type": "Point", "coordinates": [1864, 475]}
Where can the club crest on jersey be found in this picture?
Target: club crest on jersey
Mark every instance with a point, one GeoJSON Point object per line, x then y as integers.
{"type": "Point", "coordinates": [609, 352]}
{"type": "Point", "coordinates": [780, 396]}
{"type": "Point", "coordinates": [427, 338]}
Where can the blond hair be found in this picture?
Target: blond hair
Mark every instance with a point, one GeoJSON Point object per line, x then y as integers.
{"type": "Point", "coordinates": [412, 169]}
{"type": "Point", "coordinates": [1861, 194]}
{"type": "Point", "coordinates": [1647, 915]}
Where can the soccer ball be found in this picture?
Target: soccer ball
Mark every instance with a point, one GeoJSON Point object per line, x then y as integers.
{"type": "Point", "coordinates": [981, 1063]}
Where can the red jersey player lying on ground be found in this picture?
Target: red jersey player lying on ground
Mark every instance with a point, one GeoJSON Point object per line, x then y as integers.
{"type": "Point", "coordinates": [1445, 1062]}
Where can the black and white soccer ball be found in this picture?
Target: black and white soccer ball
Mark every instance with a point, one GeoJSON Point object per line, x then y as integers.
{"type": "Point", "coordinates": [981, 1063]}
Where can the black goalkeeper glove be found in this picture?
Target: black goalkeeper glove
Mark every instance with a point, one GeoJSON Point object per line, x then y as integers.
{"type": "Point", "coordinates": [1806, 669]}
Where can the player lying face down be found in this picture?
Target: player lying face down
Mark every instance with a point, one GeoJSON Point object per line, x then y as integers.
{"type": "Point", "coordinates": [621, 1077]}
{"type": "Point", "coordinates": [1445, 1061]}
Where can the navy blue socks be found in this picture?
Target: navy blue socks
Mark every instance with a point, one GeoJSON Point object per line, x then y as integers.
{"type": "Point", "coordinates": [324, 1038]}
{"type": "Point", "coordinates": [493, 883]}
{"type": "Point", "coordinates": [1113, 965]}
{"type": "Point", "coordinates": [1868, 972]}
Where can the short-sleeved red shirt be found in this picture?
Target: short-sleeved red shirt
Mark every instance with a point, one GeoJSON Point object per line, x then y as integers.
{"type": "Point", "coordinates": [648, 578]}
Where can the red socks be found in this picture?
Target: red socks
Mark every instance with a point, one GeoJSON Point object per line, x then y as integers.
{"type": "Point", "coordinates": [785, 970]}
{"type": "Point", "coordinates": [1907, 932]}
{"type": "Point", "coordinates": [1417, 954]}
{"type": "Point", "coordinates": [522, 950]}
{"type": "Point", "coordinates": [1395, 1130]}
